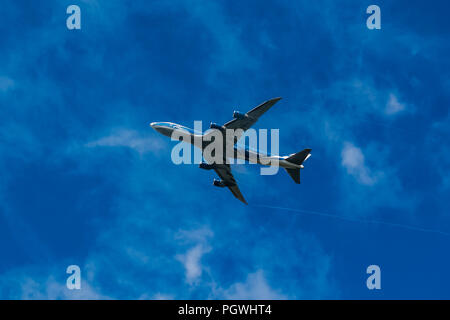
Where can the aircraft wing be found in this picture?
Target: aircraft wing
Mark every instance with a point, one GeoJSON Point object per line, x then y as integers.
{"type": "Point", "coordinates": [224, 172]}
{"type": "Point", "coordinates": [250, 117]}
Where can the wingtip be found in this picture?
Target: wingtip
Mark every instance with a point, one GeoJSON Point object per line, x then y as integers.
{"type": "Point", "coordinates": [242, 200]}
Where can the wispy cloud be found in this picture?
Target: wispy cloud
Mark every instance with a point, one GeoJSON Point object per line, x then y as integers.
{"type": "Point", "coordinates": [159, 296]}
{"type": "Point", "coordinates": [353, 161]}
{"type": "Point", "coordinates": [254, 287]}
{"type": "Point", "coordinates": [393, 106]}
{"type": "Point", "coordinates": [128, 139]}
{"type": "Point", "coordinates": [192, 262]}
{"type": "Point", "coordinates": [40, 284]}
{"type": "Point", "coordinates": [51, 289]}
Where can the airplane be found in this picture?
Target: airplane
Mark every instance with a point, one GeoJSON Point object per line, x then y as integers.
{"type": "Point", "coordinates": [291, 163]}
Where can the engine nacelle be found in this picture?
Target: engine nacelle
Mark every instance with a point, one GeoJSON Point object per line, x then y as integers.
{"type": "Point", "coordinates": [206, 166]}
{"type": "Point", "coordinates": [216, 126]}
{"type": "Point", "coordinates": [238, 115]}
{"type": "Point", "coordinates": [218, 183]}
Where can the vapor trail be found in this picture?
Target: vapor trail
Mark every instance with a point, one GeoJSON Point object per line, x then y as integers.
{"type": "Point", "coordinates": [323, 214]}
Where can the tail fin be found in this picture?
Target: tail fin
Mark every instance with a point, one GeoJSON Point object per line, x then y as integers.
{"type": "Point", "coordinates": [294, 173]}
{"type": "Point", "coordinates": [297, 158]}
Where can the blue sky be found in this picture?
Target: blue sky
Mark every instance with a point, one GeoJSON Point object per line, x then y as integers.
{"type": "Point", "coordinates": [86, 181]}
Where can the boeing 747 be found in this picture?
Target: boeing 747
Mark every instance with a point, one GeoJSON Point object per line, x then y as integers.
{"type": "Point", "coordinates": [240, 123]}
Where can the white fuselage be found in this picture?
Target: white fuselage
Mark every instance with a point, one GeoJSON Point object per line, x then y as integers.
{"type": "Point", "coordinates": [179, 132]}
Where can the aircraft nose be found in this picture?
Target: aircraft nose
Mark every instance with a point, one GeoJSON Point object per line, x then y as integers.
{"type": "Point", "coordinates": [158, 127]}
{"type": "Point", "coordinates": [162, 127]}
{"type": "Point", "coordinates": [155, 126]}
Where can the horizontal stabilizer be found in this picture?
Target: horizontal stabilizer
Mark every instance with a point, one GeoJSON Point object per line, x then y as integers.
{"type": "Point", "coordinates": [299, 157]}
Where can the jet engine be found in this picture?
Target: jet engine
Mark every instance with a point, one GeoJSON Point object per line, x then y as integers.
{"type": "Point", "coordinates": [218, 183]}
{"type": "Point", "coordinates": [238, 115]}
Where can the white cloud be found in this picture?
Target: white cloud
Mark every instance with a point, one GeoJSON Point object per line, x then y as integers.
{"type": "Point", "coordinates": [255, 287]}
{"type": "Point", "coordinates": [365, 168]}
{"type": "Point", "coordinates": [197, 235]}
{"type": "Point", "coordinates": [157, 296]}
{"type": "Point", "coordinates": [353, 161]}
{"type": "Point", "coordinates": [160, 296]}
{"type": "Point", "coordinates": [39, 287]}
{"type": "Point", "coordinates": [129, 139]}
{"type": "Point", "coordinates": [393, 106]}
{"type": "Point", "coordinates": [192, 262]}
